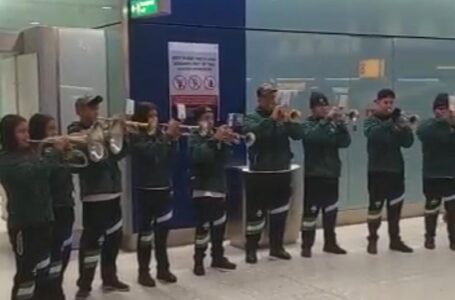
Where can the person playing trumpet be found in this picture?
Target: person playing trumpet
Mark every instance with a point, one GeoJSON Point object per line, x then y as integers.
{"type": "Point", "coordinates": [61, 187]}
{"type": "Point", "coordinates": [385, 138]}
{"type": "Point", "coordinates": [101, 191]}
{"type": "Point", "coordinates": [152, 156]}
{"type": "Point", "coordinates": [25, 176]}
{"type": "Point", "coordinates": [324, 133]}
{"type": "Point", "coordinates": [437, 135]}
{"type": "Point", "coordinates": [268, 183]}
{"type": "Point", "coordinates": [210, 152]}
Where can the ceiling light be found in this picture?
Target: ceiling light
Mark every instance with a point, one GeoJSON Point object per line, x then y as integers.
{"type": "Point", "coordinates": [107, 7]}
{"type": "Point", "coordinates": [35, 23]}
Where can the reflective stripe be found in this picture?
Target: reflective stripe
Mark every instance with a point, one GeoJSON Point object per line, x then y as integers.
{"type": "Point", "coordinates": [308, 224]}
{"type": "Point", "coordinates": [432, 211]}
{"type": "Point", "coordinates": [331, 207]}
{"type": "Point", "coordinates": [257, 227]}
{"type": "Point", "coordinates": [92, 259]}
{"type": "Point", "coordinates": [114, 228]}
{"type": "Point", "coordinates": [68, 242]}
{"type": "Point", "coordinates": [147, 238]}
{"type": "Point", "coordinates": [220, 221]}
{"type": "Point", "coordinates": [26, 290]}
{"type": "Point", "coordinates": [206, 225]}
{"type": "Point", "coordinates": [397, 200]}
{"type": "Point", "coordinates": [279, 210]}
{"type": "Point", "coordinates": [203, 241]}
{"type": "Point", "coordinates": [56, 268]}
{"type": "Point", "coordinates": [43, 264]}
{"type": "Point", "coordinates": [448, 198]}
{"type": "Point", "coordinates": [198, 194]}
{"type": "Point", "coordinates": [376, 216]}
{"type": "Point", "coordinates": [165, 218]}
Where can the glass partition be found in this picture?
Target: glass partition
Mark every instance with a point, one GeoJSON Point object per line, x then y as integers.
{"type": "Point", "coordinates": [354, 68]}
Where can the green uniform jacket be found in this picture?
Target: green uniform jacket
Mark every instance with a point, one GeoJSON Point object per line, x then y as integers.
{"type": "Point", "coordinates": [208, 162]}
{"type": "Point", "coordinates": [61, 183]}
{"type": "Point", "coordinates": [103, 177]}
{"type": "Point", "coordinates": [25, 178]}
{"type": "Point", "coordinates": [321, 143]}
{"type": "Point", "coordinates": [384, 143]}
{"type": "Point", "coordinates": [152, 159]}
{"type": "Point", "coordinates": [272, 149]}
{"type": "Point", "coordinates": [438, 147]}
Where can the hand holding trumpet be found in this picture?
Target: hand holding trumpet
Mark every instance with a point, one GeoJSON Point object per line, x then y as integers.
{"type": "Point", "coordinates": [62, 144]}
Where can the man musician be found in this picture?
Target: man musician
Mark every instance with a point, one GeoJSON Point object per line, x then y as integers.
{"type": "Point", "coordinates": [268, 183]}
{"type": "Point", "coordinates": [101, 190]}
{"type": "Point", "coordinates": [324, 133]}
{"type": "Point", "coordinates": [437, 135]}
{"type": "Point", "coordinates": [386, 134]}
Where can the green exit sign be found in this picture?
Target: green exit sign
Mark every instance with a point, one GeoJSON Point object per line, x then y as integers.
{"type": "Point", "coordinates": [147, 8]}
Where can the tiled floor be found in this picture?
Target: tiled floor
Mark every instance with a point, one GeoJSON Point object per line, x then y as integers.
{"type": "Point", "coordinates": [357, 276]}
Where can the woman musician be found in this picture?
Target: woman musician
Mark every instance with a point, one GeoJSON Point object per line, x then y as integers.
{"type": "Point", "coordinates": [25, 176]}
{"type": "Point", "coordinates": [152, 156]}
{"type": "Point", "coordinates": [210, 152]}
{"type": "Point", "coordinates": [61, 188]}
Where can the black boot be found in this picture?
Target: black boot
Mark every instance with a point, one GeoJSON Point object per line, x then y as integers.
{"type": "Point", "coordinates": [199, 269]}
{"type": "Point", "coordinates": [251, 257]}
{"type": "Point", "coordinates": [145, 279]}
{"type": "Point", "coordinates": [372, 247]}
{"type": "Point", "coordinates": [334, 248]}
{"type": "Point", "coordinates": [429, 243]}
{"type": "Point", "coordinates": [223, 263]}
{"type": "Point", "coordinates": [396, 244]}
{"type": "Point", "coordinates": [373, 227]}
{"type": "Point", "coordinates": [306, 252]}
{"type": "Point", "coordinates": [431, 221]}
{"type": "Point", "coordinates": [330, 240]}
{"type": "Point", "coordinates": [308, 237]}
{"type": "Point", "coordinates": [115, 285]}
{"type": "Point", "coordinates": [166, 276]}
{"type": "Point", "coordinates": [280, 254]}
{"type": "Point", "coordinates": [82, 294]}
{"type": "Point", "coordinates": [450, 213]}
{"type": "Point", "coordinates": [452, 246]}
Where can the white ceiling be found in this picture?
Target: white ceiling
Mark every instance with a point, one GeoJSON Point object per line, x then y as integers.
{"type": "Point", "coordinates": [16, 15]}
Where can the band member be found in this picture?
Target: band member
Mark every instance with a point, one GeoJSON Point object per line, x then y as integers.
{"type": "Point", "coordinates": [438, 146]}
{"type": "Point", "coordinates": [268, 185]}
{"type": "Point", "coordinates": [210, 153]}
{"type": "Point", "coordinates": [385, 137]}
{"type": "Point", "coordinates": [152, 158]}
{"type": "Point", "coordinates": [101, 189]}
{"type": "Point", "coordinates": [25, 177]}
{"type": "Point", "coordinates": [324, 133]}
{"type": "Point", "coordinates": [61, 187]}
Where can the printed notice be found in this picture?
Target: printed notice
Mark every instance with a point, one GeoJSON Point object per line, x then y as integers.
{"type": "Point", "coordinates": [193, 76]}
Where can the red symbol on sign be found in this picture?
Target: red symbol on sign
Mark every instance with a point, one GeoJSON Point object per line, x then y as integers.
{"type": "Point", "coordinates": [195, 82]}
{"type": "Point", "coordinates": [179, 82]}
{"type": "Point", "coordinates": [210, 82]}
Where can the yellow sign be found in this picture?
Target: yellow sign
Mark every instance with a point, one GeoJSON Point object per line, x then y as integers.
{"type": "Point", "coordinates": [371, 68]}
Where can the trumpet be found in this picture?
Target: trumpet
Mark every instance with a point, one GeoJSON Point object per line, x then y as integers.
{"type": "Point", "coordinates": [93, 139]}
{"type": "Point", "coordinates": [293, 114]}
{"type": "Point", "coordinates": [249, 139]}
{"type": "Point", "coordinates": [400, 117]}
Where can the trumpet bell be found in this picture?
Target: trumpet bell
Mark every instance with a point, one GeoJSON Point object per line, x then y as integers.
{"type": "Point", "coordinates": [95, 143]}
{"type": "Point", "coordinates": [77, 159]}
{"type": "Point", "coordinates": [295, 114]}
{"type": "Point", "coordinates": [249, 139]}
{"type": "Point", "coordinates": [116, 136]}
